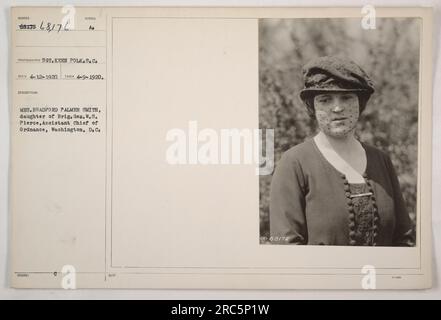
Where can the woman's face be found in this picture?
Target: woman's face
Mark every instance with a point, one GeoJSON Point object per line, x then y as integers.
{"type": "Point", "coordinates": [337, 113]}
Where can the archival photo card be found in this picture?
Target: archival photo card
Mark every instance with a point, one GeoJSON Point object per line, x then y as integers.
{"type": "Point", "coordinates": [221, 148]}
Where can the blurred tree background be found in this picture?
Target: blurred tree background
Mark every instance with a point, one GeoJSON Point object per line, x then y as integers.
{"type": "Point", "coordinates": [390, 56]}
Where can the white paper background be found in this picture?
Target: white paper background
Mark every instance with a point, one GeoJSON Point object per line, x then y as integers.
{"type": "Point", "coordinates": [7, 293]}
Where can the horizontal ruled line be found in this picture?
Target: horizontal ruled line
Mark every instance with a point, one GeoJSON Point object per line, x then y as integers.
{"type": "Point", "coordinates": [96, 80]}
{"type": "Point", "coordinates": [71, 46]}
{"type": "Point", "coordinates": [57, 31]}
{"type": "Point", "coordinates": [54, 63]}
{"type": "Point", "coordinates": [229, 273]}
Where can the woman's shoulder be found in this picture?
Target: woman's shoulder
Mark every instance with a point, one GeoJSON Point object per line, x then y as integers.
{"type": "Point", "coordinates": [376, 155]}
{"type": "Point", "coordinates": [301, 152]}
{"type": "Point", "coordinates": [373, 150]}
{"type": "Point", "coordinates": [298, 160]}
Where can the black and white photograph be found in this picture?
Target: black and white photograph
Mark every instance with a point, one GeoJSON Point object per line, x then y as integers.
{"type": "Point", "coordinates": [342, 100]}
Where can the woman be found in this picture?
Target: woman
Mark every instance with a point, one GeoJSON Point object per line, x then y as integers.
{"type": "Point", "coordinates": [333, 189]}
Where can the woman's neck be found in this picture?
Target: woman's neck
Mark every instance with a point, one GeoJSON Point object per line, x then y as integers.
{"type": "Point", "coordinates": [346, 154]}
